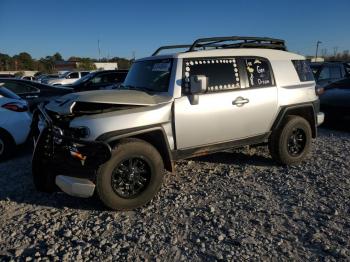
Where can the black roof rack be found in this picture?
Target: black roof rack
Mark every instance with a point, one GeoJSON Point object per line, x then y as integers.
{"type": "Point", "coordinates": [170, 47]}
{"type": "Point", "coordinates": [237, 42]}
{"type": "Point", "coordinates": [240, 42]}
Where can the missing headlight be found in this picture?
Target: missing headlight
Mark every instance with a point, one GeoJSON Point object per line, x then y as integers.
{"type": "Point", "coordinates": [80, 132]}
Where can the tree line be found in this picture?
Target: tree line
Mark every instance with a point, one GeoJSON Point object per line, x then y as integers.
{"type": "Point", "coordinates": [24, 61]}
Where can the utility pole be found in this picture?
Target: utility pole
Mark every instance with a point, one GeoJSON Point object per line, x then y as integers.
{"type": "Point", "coordinates": [99, 50]}
{"type": "Point", "coordinates": [317, 44]}
{"type": "Point", "coordinates": [335, 50]}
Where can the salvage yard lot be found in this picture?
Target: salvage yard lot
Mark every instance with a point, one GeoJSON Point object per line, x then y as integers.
{"type": "Point", "coordinates": [230, 205]}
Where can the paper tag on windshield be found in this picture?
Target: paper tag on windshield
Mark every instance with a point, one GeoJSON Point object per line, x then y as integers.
{"type": "Point", "coordinates": [161, 67]}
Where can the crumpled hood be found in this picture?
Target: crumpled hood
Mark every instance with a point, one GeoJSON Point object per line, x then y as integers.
{"type": "Point", "coordinates": [65, 104]}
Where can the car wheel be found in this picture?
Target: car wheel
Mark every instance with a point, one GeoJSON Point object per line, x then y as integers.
{"type": "Point", "coordinates": [132, 177]}
{"type": "Point", "coordinates": [7, 145]}
{"type": "Point", "coordinates": [291, 143]}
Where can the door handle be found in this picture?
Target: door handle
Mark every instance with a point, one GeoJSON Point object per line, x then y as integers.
{"type": "Point", "coordinates": [240, 101]}
{"type": "Point", "coordinates": [32, 96]}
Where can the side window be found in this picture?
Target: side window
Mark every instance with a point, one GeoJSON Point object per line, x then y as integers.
{"type": "Point", "coordinates": [103, 79]}
{"type": "Point", "coordinates": [303, 69]}
{"type": "Point", "coordinates": [73, 75]}
{"type": "Point", "coordinates": [222, 73]}
{"type": "Point", "coordinates": [20, 88]}
{"type": "Point", "coordinates": [324, 74]}
{"type": "Point", "coordinates": [96, 80]}
{"type": "Point", "coordinates": [335, 72]}
{"type": "Point", "coordinates": [258, 71]}
{"type": "Point", "coordinates": [84, 73]}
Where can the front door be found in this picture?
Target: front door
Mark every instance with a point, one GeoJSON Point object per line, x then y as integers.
{"type": "Point", "coordinates": [241, 101]}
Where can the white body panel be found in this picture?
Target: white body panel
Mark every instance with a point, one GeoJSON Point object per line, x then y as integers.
{"type": "Point", "coordinates": [17, 124]}
{"type": "Point", "coordinates": [215, 119]}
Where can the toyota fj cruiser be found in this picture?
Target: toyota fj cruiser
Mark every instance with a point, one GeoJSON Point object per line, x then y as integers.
{"type": "Point", "coordinates": [221, 93]}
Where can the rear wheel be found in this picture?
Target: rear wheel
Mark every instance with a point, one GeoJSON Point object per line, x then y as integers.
{"type": "Point", "coordinates": [7, 145]}
{"type": "Point", "coordinates": [291, 143]}
{"type": "Point", "coordinates": [132, 177]}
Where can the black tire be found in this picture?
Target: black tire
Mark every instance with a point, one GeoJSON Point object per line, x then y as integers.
{"type": "Point", "coordinates": [143, 154]}
{"type": "Point", "coordinates": [7, 145]}
{"type": "Point", "coordinates": [291, 143]}
{"type": "Point", "coordinates": [43, 177]}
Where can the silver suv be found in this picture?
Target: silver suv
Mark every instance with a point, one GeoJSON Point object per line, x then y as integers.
{"type": "Point", "coordinates": [221, 93]}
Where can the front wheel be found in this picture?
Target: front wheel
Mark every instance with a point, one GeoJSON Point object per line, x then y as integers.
{"type": "Point", "coordinates": [132, 177]}
{"type": "Point", "coordinates": [292, 143]}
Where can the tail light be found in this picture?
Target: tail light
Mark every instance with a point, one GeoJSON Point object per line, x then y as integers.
{"type": "Point", "coordinates": [16, 106]}
{"type": "Point", "coordinates": [320, 91]}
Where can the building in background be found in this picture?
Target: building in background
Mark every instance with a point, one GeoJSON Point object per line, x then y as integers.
{"type": "Point", "coordinates": [74, 65]}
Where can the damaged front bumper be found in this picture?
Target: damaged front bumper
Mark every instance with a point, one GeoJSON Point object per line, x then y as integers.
{"type": "Point", "coordinates": [74, 161]}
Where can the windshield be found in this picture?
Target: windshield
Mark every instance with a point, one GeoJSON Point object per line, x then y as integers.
{"type": "Point", "coordinates": [84, 79]}
{"type": "Point", "coordinates": [152, 75]}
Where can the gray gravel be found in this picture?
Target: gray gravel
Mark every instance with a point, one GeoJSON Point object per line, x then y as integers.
{"type": "Point", "coordinates": [229, 206]}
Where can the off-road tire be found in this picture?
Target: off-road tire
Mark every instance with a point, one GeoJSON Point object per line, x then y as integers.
{"type": "Point", "coordinates": [278, 142]}
{"type": "Point", "coordinates": [7, 145]}
{"type": "Point", "coordinates": [129, 148]}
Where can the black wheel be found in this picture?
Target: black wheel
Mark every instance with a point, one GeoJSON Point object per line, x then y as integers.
{"type": "Point", "coordinates": [132, 177]}
{"type": "Point", "coordinates": [292, 142]}
{"type": "Point", "coordinates": [7, 145]}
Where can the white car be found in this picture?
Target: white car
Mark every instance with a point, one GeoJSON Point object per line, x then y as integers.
{"type": "Point", "coordinates": [15, 121]}
{"type": "Point", "coordinates": [67, 78]}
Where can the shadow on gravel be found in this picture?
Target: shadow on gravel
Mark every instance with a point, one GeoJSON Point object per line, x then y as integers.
{"type": "Point", "coordinates": [17, 186]}
{"type": "Point", "coordinates": [236, 158]}
{"type": "Point", "coordinates": [343, 126]}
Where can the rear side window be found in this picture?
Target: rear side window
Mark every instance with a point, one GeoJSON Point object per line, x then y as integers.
{"type": "Point", "coordinates": [222, 73]}
{"type": "Point", "coordinates": [303, 69]}
{"type": "Point", "coordinates": [73, 75]}
{"type": "Point", "coordinates": [258, 71]}
{"type": "Point", "coordinates": [7, 93]}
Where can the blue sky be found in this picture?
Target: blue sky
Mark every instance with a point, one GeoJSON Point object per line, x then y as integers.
{"type": "Point", "coordinates": [73, 27]}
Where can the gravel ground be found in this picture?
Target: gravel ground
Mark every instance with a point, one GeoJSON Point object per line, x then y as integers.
{"type": "Point", "coordinates": [228, 206]}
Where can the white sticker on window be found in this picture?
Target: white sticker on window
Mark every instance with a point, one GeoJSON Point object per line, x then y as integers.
{"type": "Point", "coordinates": [161, 67]}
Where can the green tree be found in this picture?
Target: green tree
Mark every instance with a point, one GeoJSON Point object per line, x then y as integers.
{"type": "Point", "coordinates": [86, 64]}
{"type": "Point", "coordinates": [57, 57]}
{"type": "Point", "coordinates": [25, 61]}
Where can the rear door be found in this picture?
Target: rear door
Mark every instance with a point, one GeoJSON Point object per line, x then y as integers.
{"type": "Point", "coordinates": [241, 101]}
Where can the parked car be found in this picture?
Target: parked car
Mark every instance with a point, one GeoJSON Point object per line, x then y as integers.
{"type": "Point", "coordinates": [335, 100]}
{"type": "Point", "coordinates": [29, 78]}
{"type": "Point", "coordinates": [67, 78]}
{"type": "Point", "coordinates": [248, 90]}
{"type": "Point", "coordinates": [329, 72]}
{"type": "Point", "coordinates": [33, 92]}
{"type": "Point", "coordinates": [99, 80]}
{"type": "Point", "coordinates": [45, 78]}
{"type": "Point", "coordinates": [14, 122]}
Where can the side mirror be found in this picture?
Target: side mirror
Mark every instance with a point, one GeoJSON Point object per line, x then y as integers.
{"type": "Point", "coordinates": [199, 85]}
